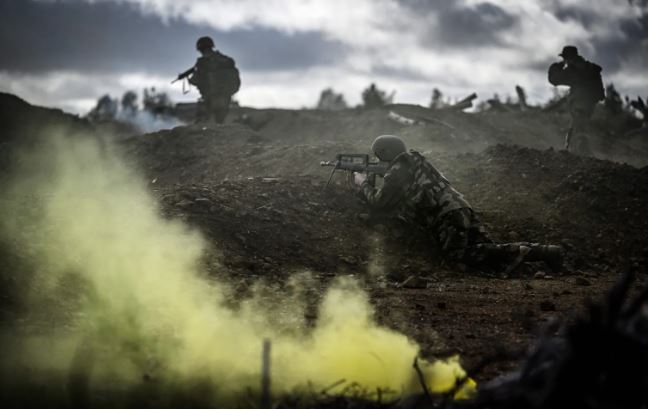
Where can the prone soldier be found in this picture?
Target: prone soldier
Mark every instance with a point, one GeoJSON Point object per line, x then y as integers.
{"type": "Point", "coordinates": [420, 195]}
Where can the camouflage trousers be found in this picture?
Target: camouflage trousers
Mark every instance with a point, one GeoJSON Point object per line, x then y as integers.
{"type": "Point", "coordinates": [213, 108]}
{"type": "Point", "coordinates": [462, 238]}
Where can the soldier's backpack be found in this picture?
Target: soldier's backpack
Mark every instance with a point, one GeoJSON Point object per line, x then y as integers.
{"type": "Point", "coordinates": [598, 90]}
{"type": "Point", "coordinates": [220, 73]}
{"type": "Point", "coordinates": [228, 74]}
{"type": "Point", "coordinates": [591, 81]}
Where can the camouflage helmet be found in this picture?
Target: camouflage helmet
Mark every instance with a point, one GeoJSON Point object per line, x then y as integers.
{"type": "Point", "coordinates": [204, 43]}
{"type": "Point", "coordinates": [387, 147]}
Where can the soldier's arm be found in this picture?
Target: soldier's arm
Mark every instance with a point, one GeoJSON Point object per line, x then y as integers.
{"type": "Point", "coordinates": [559, 75]}
{"type": "Point", "coordinates": [396, 181]}
{"type": "Point", "coordinates": [193, 79]}
{"type": "Point", "coordinates": [196, 77]}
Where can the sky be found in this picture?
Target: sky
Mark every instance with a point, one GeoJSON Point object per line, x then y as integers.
{"type": "Point", "coordinates": [67, 53]}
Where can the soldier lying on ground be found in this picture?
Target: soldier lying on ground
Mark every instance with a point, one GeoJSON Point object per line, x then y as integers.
{"type": "Point", "coordinates": [416, 192]}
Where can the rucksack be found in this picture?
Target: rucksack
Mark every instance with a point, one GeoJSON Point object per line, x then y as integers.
{"type": "Point", "coordinates": [228, 74]}
{"type": "Point", "coordinates": [595, 81]}
{"type": "Point", "coordinates": [231, 80]}
{"type": "Point", "coordinates": [220, 75]}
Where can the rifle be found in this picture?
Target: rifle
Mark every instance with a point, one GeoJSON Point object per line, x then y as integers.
{"type": "Point", "coordinates": [355, 162]}
{"type": "Point", "coordinates": [184, 75]}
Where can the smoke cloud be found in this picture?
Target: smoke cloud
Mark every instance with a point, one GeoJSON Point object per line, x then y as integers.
{"type": "Point", "coordinates": [117, 301]}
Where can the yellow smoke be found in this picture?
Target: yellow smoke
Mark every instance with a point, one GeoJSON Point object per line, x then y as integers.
{"type": "Point", "coordinates": [114, 277]}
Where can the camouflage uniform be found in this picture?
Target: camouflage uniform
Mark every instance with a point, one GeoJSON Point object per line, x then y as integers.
{"type": "Point", "coordinates": [214, 79]}
{"type": "Point", "coordinates": [420, 195]}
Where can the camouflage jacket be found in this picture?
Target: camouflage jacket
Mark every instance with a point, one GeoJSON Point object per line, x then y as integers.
{"type": "Point", "coordinates": [415, 190]}
{"type": "Point", "coordinates": [582, 77]}
{"type": "Point", "coordinates": [215, 74]}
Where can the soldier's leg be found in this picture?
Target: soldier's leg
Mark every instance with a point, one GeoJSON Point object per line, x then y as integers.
{"type": "Point", "coordinates": [512, 254]}
{"type": "Point", "coordinates": [570, 131]}
{"type": "Point", "coordinates": [221, 108]}
{"type": "Point", "coordinates": [452, 234]}
{"type": "Point", "coordinates": [462, 238]}
{"type": "Point", "coordinates": [201, 111]}
{"type": "Point", "coordinates": [551, 254]}
{"type": "Point", "coordinates": [582, 115]}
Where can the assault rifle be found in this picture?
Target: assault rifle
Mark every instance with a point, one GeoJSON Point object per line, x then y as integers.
{"type": "Point", "coordinates": [355, 162]}
{"type": "Point", "coordinates": [184, 75]}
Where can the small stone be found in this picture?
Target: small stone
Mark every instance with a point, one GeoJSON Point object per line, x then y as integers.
{"type": "Point", "coordinates": [547, 306]}
{"type": "Point", "coordinates": [582, 281]}
{"type": "Point", "coordinates": [349, 260]}
{"type": "Point", "coordinates": [539, 275]}
{"type": "Point", "coordinates": [363, 216]}
{"type": "Point", "coordinates": [380, 228]}
{"type": "Point", "coordinates": [184, 203]}
{"type": "Point", "coordinates": [414, 282]}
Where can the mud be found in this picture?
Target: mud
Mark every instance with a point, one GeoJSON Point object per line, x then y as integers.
{"type": "Point", "coordinates": [260, 197]}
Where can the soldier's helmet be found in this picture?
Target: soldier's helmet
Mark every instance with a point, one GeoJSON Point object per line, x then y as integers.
{"type": "Point", "coordinates": [568, 51]}
{"type": "Point", "coordinates": [204, 43]}
{"type": "Point", "coordinates": [387, 147]}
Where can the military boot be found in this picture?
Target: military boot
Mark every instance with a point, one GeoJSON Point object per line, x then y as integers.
{"type": "Point", "coordinates": [552, 255]}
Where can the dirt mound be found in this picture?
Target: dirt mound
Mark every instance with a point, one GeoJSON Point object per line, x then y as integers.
{"type": "Point", "coordinates": [259, 196]}
{"type": "Point", "coordinates": [593, 207]}
{"type": "Point", "coordinates": [20, 120]}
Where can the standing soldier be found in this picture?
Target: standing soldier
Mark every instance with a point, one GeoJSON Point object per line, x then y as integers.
{"type": "Point", "coordinates": [585, 87]}
{"type": "Point", "coordinates": [217, 78]}
{"type": "Point", "coordinates": [416, 192]}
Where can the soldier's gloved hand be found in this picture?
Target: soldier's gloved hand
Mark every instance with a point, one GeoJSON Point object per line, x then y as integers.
{"type": "Point", "coordinates": [359, 178]}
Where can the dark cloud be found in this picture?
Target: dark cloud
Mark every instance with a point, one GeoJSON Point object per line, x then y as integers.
{"type": "Point", "coordinates": [462, 26]}
{"type": "Point", "coordinates": [586, 18]}
{"type": "Point", "coordinates": [474, 26]}
{"type": "Point", "coordinates": [614, 53]}
{"type": "Point", "coordinates": [116, 37]}
{"type": "Point", "coordinates": [400, 73]}
{"type": "Point", "coordinates": [610, 52]}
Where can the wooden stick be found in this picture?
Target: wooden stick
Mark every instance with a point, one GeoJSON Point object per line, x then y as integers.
{"type": "Point", "coordinates": [521, 98]}
{"type": "Point", "coordinates": [421, 377]}
{"type": "Point", "coordinates": [265, 375]}
{"type": "Point", "coordinates": [464, 103]}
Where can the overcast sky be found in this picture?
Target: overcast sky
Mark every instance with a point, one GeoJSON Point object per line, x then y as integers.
{"type": "Point", "coordinates": [67, 53]}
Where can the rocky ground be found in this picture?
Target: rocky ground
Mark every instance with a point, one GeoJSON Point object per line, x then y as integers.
{"type": "Point", "coordinates": [255, 188]}
{"type": "Point", "coordinates": [242, 183]}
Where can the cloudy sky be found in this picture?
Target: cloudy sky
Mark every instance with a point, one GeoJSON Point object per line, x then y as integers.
{"type": "Point", "coordinates": [66, 53]}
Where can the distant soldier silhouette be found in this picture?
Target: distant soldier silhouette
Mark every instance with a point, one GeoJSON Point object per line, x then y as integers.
{"type": "Point", "coordinates": [585, 88]}
{"type": "Point", "coordinates": [217, 78]}
{"type": "Point", "coordinates": [416, 192]}
{"type": "Point", "coordinates": [129, 104]}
